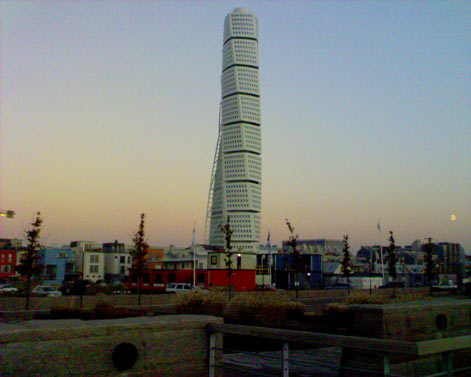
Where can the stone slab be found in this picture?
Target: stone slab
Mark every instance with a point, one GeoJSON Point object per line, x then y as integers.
{"type": "Point", "coordinates": [166, 345]}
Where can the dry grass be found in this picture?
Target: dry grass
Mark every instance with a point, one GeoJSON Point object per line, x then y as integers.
{"type": "Point", "coordinates": [252, 308]}
{"type": "Point", "coordinates": [212, 303]}
{"type": "Point", "coordinates": [266, 310]}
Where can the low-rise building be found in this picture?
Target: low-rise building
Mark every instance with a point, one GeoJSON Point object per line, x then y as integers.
{"type": "Point", "coordinates": [118, 261]}
{"type": "Point", "coordinates": [58, 264]}
{"type": "Point", "coordinates": [155, 256]}
{"type": "Point", "coordinates": [309, 271]}
{"type": "Point", "coordinates": [8, 260]}
{"type": "Point", "coordinates": [89, 260]}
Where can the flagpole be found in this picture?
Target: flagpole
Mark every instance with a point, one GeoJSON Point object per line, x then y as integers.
{"type": "Point", "coordinates": [194, 257]}
{"type": "Point", "coordinates": [271, 258]}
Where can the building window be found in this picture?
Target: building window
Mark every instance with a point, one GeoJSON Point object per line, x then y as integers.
{"type": "Point", "coordinates": [93, 258]}
{"type": "Point", "coordinates": [93, 269]}
{"type": "Point", "coordinates": [51, 272]}
{"type": "Point", "coordinates": [200, 279]}
{"type": "Point", "coordinates": [239, 262]}
{"type": "Point", "coordinates": [122, 260]}
{"type": "Point", "coordinates": [158, 279]}
{"type": "Point", "coordinates": [145, 278]}
{"type": "Point", "coordinates": [129, 260]}
{"type": "Point", "coordinates": [69, 268]}
{"type": "Point", "coordinates": [214, 259]}
{"type": "Point", "coordinates": [171, 278]}
{"type": "Point", "coordinates": [6, 268]}
{"type": "Point", "coordinates": [9, 257]}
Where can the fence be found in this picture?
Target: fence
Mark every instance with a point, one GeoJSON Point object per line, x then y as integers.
{"type": "Point", "coordinates": [384, 347]}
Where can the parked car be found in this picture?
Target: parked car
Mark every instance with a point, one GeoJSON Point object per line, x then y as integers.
{"type": "Point", "coordinates": [7, 288]}
{"type": "Point", "coordinates": [340, 286]}
{"type": "Point", "coordinates": [392, 284]}
{"type": "Point", "coordinates": [74, 287]}
{"type": "Point", "coordinates": [445, 286]}
{"type": "Point", "coordinates": [46, 291]}
{"type": "Point", "coordinates": [183, 287]}
{"type": "Point", "coordinates": [266, 288]}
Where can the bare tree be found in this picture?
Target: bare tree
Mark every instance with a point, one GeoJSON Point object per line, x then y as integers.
{"type": "Point", "coordinates": [429, 262]}
{"type": "Point", "coordinates": [139, 255]}
{"type": "Point", "coordinates": [226, 229]}
{"type": "Point", "coordinates": [296, 266]}
{"type": "Point", "coordinates": [346, 261]}
{"type": "Point", "coordinates": [392, 259]}
{"type": "Point", "coordinates": [29, 263]}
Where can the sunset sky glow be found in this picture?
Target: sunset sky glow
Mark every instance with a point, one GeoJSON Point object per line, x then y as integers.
{"type": "Point", "coordinates": [110, 109]}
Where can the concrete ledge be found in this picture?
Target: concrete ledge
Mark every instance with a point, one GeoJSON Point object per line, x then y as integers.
{"type": "Point", "coordinates": [166, 346]}
{"type": "Point", "coordinates": [413, 320]}
{"type": "Point", "coordinates": [25, 315]}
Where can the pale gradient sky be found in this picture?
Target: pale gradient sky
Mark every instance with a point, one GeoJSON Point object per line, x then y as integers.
{"type": "Point", "coordinates": [110, 109]}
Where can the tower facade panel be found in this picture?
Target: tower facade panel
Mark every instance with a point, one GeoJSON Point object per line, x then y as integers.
{"type": "Point", "coordinates": [236, 183]}
{"type": "Point", "coordinates": [238, 137]}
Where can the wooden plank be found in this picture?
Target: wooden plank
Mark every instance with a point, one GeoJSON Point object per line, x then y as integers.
{"type": "Point", "coordinates": [212, 355]}
{"type": "Point", "coordinates": [370, 344]}
{"type": "Point", "coordinates": [429, 347]}
{"type": "Point", "coordinates": [285, 361]}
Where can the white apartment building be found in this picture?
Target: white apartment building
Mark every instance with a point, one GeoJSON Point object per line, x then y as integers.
{"type": "Point", "coordinates": [89, 260]}
{"type": "Point", "coordinates": [117, 265]}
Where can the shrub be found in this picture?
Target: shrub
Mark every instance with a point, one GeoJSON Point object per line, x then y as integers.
{"type": "Point", "coordinates": [212, 303]}
{"type": "Point", "coordinates": [266, 310]}
{"type": "Point", "coordinates": [336, 307]}
{"type": "Point", "coordinates": [69, 313]}
{"type": "Point", "coordinates": [104, 310]}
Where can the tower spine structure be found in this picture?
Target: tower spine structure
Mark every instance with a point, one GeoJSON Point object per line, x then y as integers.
{"type": "Point", "coordinates": [235, 188]}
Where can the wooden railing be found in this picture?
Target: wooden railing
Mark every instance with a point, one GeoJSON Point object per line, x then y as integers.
{"type": "Point", "coordinates": [385, 347]}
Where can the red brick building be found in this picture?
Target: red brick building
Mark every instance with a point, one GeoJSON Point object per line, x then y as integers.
{"type": "Point", "coordinates": [7, 263]}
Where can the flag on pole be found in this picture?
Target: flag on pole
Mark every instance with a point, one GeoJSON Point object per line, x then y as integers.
{"type": "Point", "coordinates": [379, 227]}
{"type": "Point", "coordinates": [193, 251]}
{"type": "Point", "coordinates": [270, 257]}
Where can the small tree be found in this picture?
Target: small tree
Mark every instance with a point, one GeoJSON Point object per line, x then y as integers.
{"type": "Point", "coordinates": [29, 263]}
{"type": "Point", "coordinates": [226, 229]}
{"type": "Point", "coordinates": [346, 261]}
{"type": "Point", "coordinates": [429, 262]}
{"type": "Point", "coordinates": [139, 255]}
{"type": "Point", "coordinates": [296, 266]}
{"type": "Point", "coordinates": [392, 259]}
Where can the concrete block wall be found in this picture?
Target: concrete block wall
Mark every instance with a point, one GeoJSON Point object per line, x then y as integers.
{"type": "Point", "coordinates": [166, 346]}
{"type": "Point", "coordinates": [38, 303]}
{"type": "Point", "coordinates": [412, 321]}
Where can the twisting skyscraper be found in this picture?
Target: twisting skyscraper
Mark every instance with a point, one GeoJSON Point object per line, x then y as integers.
{"type": "Point", "coordinates": [235, 188]}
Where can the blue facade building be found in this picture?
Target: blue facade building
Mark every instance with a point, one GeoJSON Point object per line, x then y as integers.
{"type": "Point", "coordinates": [58, 263]}
{"type": "Point", "coordinates": [310, 276]}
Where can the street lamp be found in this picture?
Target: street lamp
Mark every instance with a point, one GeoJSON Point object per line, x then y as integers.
{"type": "Point", "coordinates": [8, 214]}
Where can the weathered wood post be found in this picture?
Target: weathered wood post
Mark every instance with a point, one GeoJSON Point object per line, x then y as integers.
{"type": "Point", "coordinates": [285, 361]}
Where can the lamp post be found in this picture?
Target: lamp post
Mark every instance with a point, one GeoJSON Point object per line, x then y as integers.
{"type": "Point", "coordinates": [9, 214]}
{"type": "Point", "coordinates": [82, 283]}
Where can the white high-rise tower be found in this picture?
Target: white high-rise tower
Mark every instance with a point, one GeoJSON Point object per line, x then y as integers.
{"type": "Point", "coordinates": [235, 188]}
